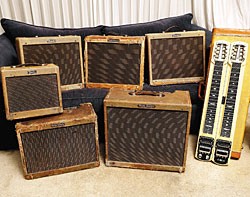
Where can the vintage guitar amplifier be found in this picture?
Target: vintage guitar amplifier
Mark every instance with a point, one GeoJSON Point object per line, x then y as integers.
{"type": "Point", "coordinates": [31, 90]}
{"type": "Point", "coordinates": [64, 51]}
{"type": "Point", "coordinates": [114, 61]}
{"type": "Point", "coordinates": [60, 143]}
{"type": "Point", "coordinates": [147, 130]}
{"type": "Point", "coordinates": [176, 57]}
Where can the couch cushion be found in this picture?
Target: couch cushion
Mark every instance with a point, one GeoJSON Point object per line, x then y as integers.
{"type": "Point", "coordinates": [15, 29]}
{"type": "Point", "coordinates": [8, 54]}
{"type": "Point", "coordinates": [177, 23]}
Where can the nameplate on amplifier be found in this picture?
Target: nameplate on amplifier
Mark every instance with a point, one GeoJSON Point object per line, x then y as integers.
{"type": "Point", "coordinates": [61, 124]}
{"type": "Point", "coordinates": [31, 72]}
{"type": "Point", "coordinates": [147, 106]}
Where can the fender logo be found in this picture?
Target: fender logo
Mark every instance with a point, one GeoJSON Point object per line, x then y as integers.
{"type": "Point", "coordinates": [58, 124]}
{"type": "Point", "coordinates": [51, 40]}
{"type": "Point", "coordinates": [147, 106]}
{"type": "Point", "coordinates": [32, 72]}
{"type": "Point", "coordinates": [176, 35]}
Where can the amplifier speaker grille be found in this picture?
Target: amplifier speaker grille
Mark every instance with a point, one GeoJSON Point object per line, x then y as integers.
{"type": "Point", "coordinates": [65, 55]}
{"type": "Point", "coordinates": [114, 63]}
{"type": "Point", "coordinates": [177, 57]}
{"type": "Point", "coordinates": [59, 148]}
{"type": "Point", "coordinates": [147, 136]}
{"type": "Point", "coordinates": [32, 92]}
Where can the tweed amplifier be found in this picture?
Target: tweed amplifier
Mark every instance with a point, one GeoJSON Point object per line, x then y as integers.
{"type": "Point", "coordinates": [64, 51]}
{"type": "Point", "coordinates": [147, 130]}
{"type": "Point", "coordinates": [60, 143]}
{"type": "Point", "coordinates": [114, 61]}
{"type": "Point", "coordinates": [31, 90]}
{"type": "Point", "coordinates": [176, 57]}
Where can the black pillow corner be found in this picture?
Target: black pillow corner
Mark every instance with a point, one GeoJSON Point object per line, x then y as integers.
{"type": "Point", "coordinates": [8, 55]}
{"type": "Point", "coordinates": [14, 29]}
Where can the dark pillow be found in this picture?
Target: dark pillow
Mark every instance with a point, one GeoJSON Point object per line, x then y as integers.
{"type": "Point", "coordinates": [177, 23]}
{"type": "Point", "coordinates": [15, 29]}
{"type": "Point", "coordinates": [8, 54]}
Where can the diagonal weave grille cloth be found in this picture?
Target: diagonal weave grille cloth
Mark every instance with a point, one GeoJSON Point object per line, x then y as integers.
{"type": "Point", "coordinates": [146, 136]}
{"type": "Point", "coordinates": [114, 63]}
{"type": "Point", "coordinates": [64, 55]}
{"type": "Point", "coordinates": [177, 57]}
{"type": "Point", "coordinates": [60, 147]}
{"type": "Point", "coordinates": [32, 92]}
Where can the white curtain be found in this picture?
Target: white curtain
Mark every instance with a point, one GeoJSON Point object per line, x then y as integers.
{"type": "Point", "coordinates": [86, 13]}
{"type": "Point", "coordinates": [222, 13]}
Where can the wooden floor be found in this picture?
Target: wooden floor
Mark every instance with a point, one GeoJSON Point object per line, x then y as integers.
{"type": "Point", "coordinates": [200, 179]}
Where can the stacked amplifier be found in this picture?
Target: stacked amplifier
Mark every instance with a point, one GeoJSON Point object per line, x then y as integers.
{"type": "Point", "coordinates": [114, 61]}
{"type": "Point", "coordinates": [66, 139]}
{"type": "Point", "coordinates": [227, 97]}
{"type": "Point", "coordinates": [176, 58]}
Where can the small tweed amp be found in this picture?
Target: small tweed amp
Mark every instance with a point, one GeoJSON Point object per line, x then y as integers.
{"type": "Point", "coordinates": [31, 90]}
{"type": "Point", "coordinates": [114, 61]}
{"type": "Point", "coordinates": [64, 51]}
{"type": "Point", "coordinates": [59, 144]}
{"type": "Point", "coordinates": [176, 57]}
{"type": "Point", "coordinates": [147, 130]}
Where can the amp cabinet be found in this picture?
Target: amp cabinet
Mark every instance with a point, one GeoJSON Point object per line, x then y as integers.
{"type": "Point", "coordinates": [176, 57]}
{"type": "Point", "coordinates": [64, 51]}
{"type": "Point", "coordinates": [60, 143]}
{"type": "Point", "coordinates": [114, 61]}
{"type": "Point", "coordinates": [147, 130]}
{"type": "Point", "coordinates": [31, 90]}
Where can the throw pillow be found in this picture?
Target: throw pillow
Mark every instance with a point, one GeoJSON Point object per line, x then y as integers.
{"type": "Point", "coordinates": [15, 29]}
{"type": "Point", "coordinates": [8, 54]}
{"type": "Point", "coordinates": [178, 23]}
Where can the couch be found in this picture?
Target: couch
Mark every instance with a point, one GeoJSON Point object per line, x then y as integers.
{"type": "Point", "coordinates": [8, 56]}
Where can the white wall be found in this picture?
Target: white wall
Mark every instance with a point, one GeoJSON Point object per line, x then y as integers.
{"type": "Point", "coordinates": [84, 13]}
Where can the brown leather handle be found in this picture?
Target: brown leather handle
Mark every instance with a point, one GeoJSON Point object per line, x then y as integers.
{"type": "Point", "coordinates": [113, 40]}
{"type": "Point", "coordinates": [146, 93]}
{"type": "Point", "coordinates": [171, 27]}
{"type": "Point", "coordinates": [28, 64]}
{"type": "Point", "coordinates": [112, 33]}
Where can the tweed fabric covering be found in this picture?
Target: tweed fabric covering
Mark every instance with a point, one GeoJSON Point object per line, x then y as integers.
{"type": "Point", "coordinates": [177, 57]}
{"type": "Point", "coordinates": [32, 92]}
{"type": "Point", "coordinates": [64, 55]}
{"type": "Point", "coordinates": [147, 136]}
{"type": "Point", "coordinates": [114, 63]}
{"type": "Point", "coordinates": [59, 147]}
